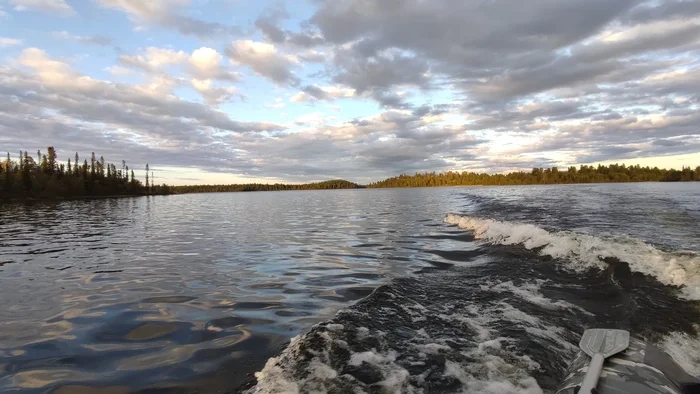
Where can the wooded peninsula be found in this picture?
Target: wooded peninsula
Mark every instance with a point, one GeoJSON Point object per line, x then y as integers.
{"type": "Point", "coordinates": [45, 177]}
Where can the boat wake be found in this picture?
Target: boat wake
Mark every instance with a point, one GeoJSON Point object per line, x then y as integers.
{"type": "Point", "coordinates": [582, 251]}
{"type": "Point", "coordinates": [509, 323]}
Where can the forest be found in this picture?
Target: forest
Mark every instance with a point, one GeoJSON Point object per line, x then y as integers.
{"type": "Point", "coordinates": [255, 187]}
{"type": "Point", "coordinates": [583, 174]}
{"type": "Point", "coordinates": [46, 177]}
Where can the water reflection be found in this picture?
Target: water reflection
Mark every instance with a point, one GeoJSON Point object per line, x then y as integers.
{"type": "Point", "coordinates": [165, 292]}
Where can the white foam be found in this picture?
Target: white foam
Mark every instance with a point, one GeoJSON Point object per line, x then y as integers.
{"type": "Point", "coordinates": [685, 350]}
{"type": "Point", "coordinates": [433, 348]}
{"type": "Point", "coordinates": [273, 378]}
{"type": "Point", "coordinates": [584, 251]}
{"type": "Point", "coordinates": [488, 365]}
{"type": "Point", "coordinates": [531, 292]}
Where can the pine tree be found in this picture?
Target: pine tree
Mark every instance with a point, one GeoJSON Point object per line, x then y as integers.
{"type": "Point", "coordinates": [77, 163]}
{"type": "Point", "coordinates": [7, 165]}
{"type": "Point", "coordinates": [69, 168]}
{"type": "Point", "coordinates": [52, 159]}
{"type": "Point", "coordinates": [147, 184]}
{"type": "Point", "coordinates": [92, 165]}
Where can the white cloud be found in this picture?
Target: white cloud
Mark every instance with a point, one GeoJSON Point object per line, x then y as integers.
{"type": "Point", "coordinates": [166, 14]}
{"type": "Point", "coordinates": [202, 64]}
{"type": "Point", "coordinates": [49, 70]}
{"type": "Point", "coordinates": [8, 42]}
{"type": "Point", "coordinates": [154, 59]}
{"type": "Point", "coordinates": [279, 103]}
{"type": "Point", "coordinates": [211, 94]}
{"type": "Point", "coordinates": [265, 60]}
{"type": "Point", "coordinates": [93, 40]}
{"type": "Point", "coordinates": [52, 6]}
{"type": "Point", "coordinates": [300, 98]}
{"type": "Point", "coordinates": [118, 70]}
{"type": "Point", "coordinates": [206, 64]}
{"type": "Point", "coordinates": [205, 59]}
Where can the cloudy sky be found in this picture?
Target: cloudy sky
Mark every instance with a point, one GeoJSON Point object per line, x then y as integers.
{"type": "Point", "coordinates": [222, 91]}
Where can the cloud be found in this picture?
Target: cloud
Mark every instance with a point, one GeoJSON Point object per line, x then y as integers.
{"type": "Point", "coordinates": [59, 7]}
{"type": "Point", "coordinates": [91, 40]}
{"type": "Point", "coordinates": [118, 70]}
{"type": "Point", "coordinates": [213, 95]}
{"type": "Point", "coordinates": [132, 118]}
{"type": "Point", "coordinates": [163, 13]}
{"type": "Point", "coordinates": [205, 63]}
{"type": "Point", "coordinates": [8, 42]}
{"type": "Point", "coordinates": [279, 103]}
{"type": "Point", "coordinates": [315, 92]}
{"type": "Point", "coordinates": [154, 59]}
{"type": "Point", "coordinates": [389, 87]}
{"type": "Point", "coordinates": [268, 24]}
{"type": "Point", "coordinates": [202, 64]}
{"type": "Point", "coordinates": [265, 60]}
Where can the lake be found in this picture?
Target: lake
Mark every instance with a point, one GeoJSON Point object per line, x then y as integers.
{"type": "Point", "coordinates": [195, 293]}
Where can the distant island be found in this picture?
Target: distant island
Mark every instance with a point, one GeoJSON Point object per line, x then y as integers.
{"type": "Point", "coordinates": [264, 187]}
{"type": "Point", "coordinates": [46, 178]}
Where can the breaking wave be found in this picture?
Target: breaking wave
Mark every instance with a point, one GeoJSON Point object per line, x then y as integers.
{"type": "Point", "coordinates": [581, 251]}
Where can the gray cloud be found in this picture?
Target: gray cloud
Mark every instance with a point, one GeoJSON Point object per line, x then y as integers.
{"type": "Point", "coordinates": [265, 60]}
{"type": "Point", "coordinates": [477, 85]}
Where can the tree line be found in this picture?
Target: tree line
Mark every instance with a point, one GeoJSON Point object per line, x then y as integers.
{"type": "Point", "coordinates": [46, 177]}
{"type": "Point", "coordinates": [583, 174]}
{"type": "Point", "coordinates": [255, 187]}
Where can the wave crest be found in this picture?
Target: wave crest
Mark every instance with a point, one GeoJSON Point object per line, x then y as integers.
{"type": "Point", "coordinates": [582, 251]}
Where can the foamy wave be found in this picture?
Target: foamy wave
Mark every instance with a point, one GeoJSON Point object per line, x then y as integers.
{"type": "Point", "coordinates": [685, 350]}
{"type": "Point", "coordinates": [585, 251]}
{"type": "Point", "coordinates": [530, 292]}
{"type": "Point", "coordinates": [486, 363]}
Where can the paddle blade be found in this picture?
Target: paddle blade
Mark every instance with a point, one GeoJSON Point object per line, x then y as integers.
{"type": "Point", "coordinates": [606, 342]}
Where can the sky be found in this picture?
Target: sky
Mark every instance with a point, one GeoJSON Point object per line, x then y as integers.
{"type": "Point", "coordinates": [232, 91]}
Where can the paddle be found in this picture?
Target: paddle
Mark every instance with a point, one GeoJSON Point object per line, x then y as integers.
{"type": "Point", "coordinates": [600, 344]}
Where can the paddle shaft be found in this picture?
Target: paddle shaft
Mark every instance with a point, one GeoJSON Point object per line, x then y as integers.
{"type": "Point", "coordinates": [594, 369]}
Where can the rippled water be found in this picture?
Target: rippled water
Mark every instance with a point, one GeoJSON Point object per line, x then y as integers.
{"type": "Point", "coordinates": [195, 292]}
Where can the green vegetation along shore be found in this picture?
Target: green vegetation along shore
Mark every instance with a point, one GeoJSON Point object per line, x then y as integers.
{"type": "Point", "coordinates": [585, 174]}
{"type": "Point", "coordinates": [258, 187]}
{"type": "Point", "coordinates": [45, 177]}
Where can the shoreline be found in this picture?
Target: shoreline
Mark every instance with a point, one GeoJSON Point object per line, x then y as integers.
{"type": "Point", "coordinates": [62, 198]}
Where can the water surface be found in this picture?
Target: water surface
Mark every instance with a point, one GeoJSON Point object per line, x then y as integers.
{"type": "Point", "coordinates": [195, 292]}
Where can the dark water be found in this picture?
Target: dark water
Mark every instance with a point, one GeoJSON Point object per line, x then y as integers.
{"type": "Point", "coordinates": [194, 293]}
